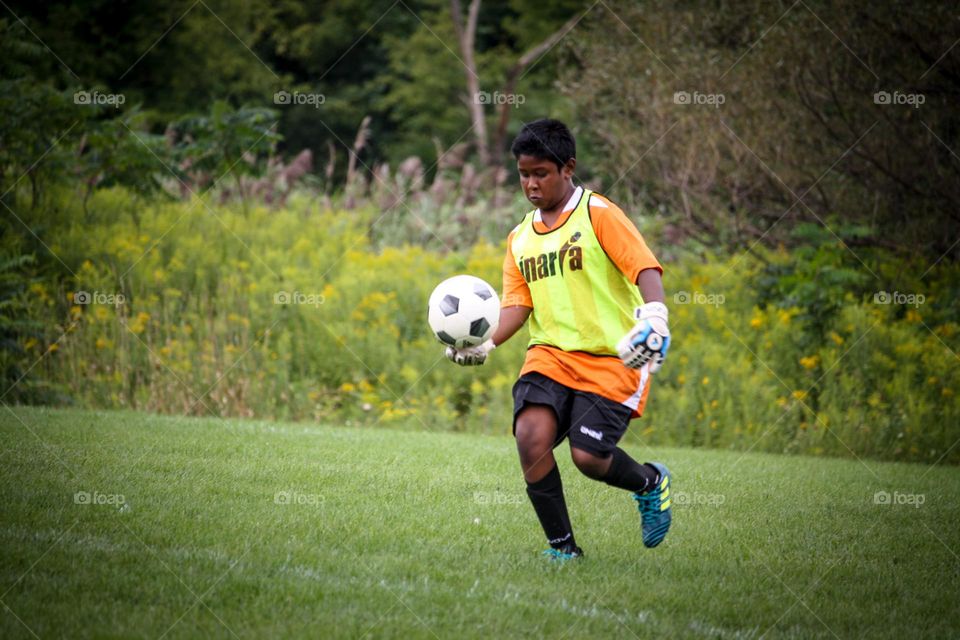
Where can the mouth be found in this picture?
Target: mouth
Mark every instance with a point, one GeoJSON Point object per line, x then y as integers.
{"type": "Point", "coordinates": [534, 198]}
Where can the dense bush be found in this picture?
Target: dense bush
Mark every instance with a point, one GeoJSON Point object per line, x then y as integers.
{"type": "Point", "coordinates": [291, 313]}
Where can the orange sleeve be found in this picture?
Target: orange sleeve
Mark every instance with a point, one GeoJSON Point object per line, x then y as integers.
{"type": "Point", "coordinates": [516, 293]}
{"type": "Point", "coordinates": [620, 239]}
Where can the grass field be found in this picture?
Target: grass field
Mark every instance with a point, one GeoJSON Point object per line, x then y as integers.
{"type": "Point", "coordinates": [130, 525]}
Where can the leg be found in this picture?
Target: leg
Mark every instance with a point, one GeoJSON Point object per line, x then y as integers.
{"type": "Point", "coordinates": [593, 445]}
{"type": "Point", "coordinates": [536, 431]}
{"type": "Point", "coordinates": [590, 464]}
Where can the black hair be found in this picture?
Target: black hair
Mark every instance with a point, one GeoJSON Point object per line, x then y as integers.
{"type": "Point", "coordinates": [547, 139]}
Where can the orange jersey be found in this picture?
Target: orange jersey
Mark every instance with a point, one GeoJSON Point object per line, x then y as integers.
{"type": "Point", "coordinates": [603, 375]}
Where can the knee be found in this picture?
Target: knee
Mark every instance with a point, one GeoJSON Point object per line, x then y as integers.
{"type": "Point", "coordinates": [535, 434]}
{"type": "Point", "coordinates": [590, 465]}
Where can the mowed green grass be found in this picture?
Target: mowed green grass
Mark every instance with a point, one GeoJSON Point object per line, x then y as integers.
{"type": "Point", "coordinates": [253, 529]}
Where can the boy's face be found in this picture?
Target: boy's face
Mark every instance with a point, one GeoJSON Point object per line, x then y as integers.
{"type": "Point", "coordinates": [544, 185]}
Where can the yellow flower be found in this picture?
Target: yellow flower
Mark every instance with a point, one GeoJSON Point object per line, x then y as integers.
{"type": "Point", "coordinates": [810, 362]}
{"type": "Point", "coordinates": [756, 322]}
{"type": "Point", "coordinates": [782, 402]}
{"type": "Point", "coordinates": [347, 387]}
{"type": "Point", "coordinates": [933, 380]}
{"type": "Point", "coordinates": [714, 404]}
{"type": "Point", "coordinates": [54, 347]}
{"type": "Point", "coordinates": [836, 337]}
{"type": "Point", "coordinates": [946, 392]}
{"type": "Point", "coordinates": [913, 316]}
{"type": "Point", "coordinates": [800, 395]}
{"type": "Point", "coordinates": [30, 343]}
{"type": "Point", "coordinates": [705, 381]}
{"type": "Point", "coordinates": [101, 343]}
{"type": "Point", "coordinates": [681, 379]}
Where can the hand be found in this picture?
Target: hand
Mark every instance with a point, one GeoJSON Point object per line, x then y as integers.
{"type": "Point", "coordinates": [471, 356]}
{"type": "Point", "coordinates": [649, 339]}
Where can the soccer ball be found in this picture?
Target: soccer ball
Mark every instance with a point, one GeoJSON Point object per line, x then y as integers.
{"type": "Point", "coordinates": [463, 311]}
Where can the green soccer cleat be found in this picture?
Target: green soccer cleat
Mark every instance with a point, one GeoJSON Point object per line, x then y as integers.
{"type": "Point", "coordinates": [654, 506]}
{"type": "Point", "coordinates": [564, 553]}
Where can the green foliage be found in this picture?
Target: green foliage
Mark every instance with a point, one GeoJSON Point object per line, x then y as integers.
{"type": "Point", "coordinates": [788, 115]}
{"type": "Point", "coordinates": [113, 153]}
{"type": "Point", "coordinates": [227, 141]}
{"type": "Point", "coordinates": [295, 313]}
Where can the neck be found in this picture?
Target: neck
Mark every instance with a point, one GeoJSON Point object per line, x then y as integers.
{"type": "Point", "coordinates": [557, 209]}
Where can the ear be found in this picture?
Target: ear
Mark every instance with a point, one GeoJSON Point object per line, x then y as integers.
{"type": "Point", "coordinates": [567, 171]}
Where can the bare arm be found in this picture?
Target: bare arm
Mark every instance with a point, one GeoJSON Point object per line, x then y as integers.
{"type": "Point", "coordinates": [651, 286]}
{"type": "Point", "coordinates": [511, 319]}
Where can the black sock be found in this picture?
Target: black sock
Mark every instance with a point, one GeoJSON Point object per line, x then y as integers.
{"type": "Point", "coordinates": [546, 495]}
{"type": "Point", "coordinates": [627, 473]}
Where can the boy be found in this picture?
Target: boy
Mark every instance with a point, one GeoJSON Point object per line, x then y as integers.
{"type": "Point", "coordinates": [580, 270]}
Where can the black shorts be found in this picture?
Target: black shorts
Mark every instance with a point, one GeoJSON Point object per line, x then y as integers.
{"type": "Point", "coordinates": [593, 423]}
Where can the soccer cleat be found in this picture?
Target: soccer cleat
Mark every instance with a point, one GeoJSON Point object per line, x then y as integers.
{"type": "Point", "coordinates": [654, 506]}
{"type": "Point", "coordinates": [564, 553]}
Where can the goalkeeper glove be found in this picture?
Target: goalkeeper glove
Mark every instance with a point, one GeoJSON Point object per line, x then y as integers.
{"type": "Point", "coordinates": [649, 339]}
{"type": "Point", "coordinates": [471, 356]}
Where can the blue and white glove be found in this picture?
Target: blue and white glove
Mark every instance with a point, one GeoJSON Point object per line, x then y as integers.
{"type": "Point", "coordinates": [471, 356]}
{"type": "Point", "coordinates": [649, 339]}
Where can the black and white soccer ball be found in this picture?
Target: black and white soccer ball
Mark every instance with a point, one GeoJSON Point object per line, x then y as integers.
{"type": "Point", "coordinates": [463, 311]}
